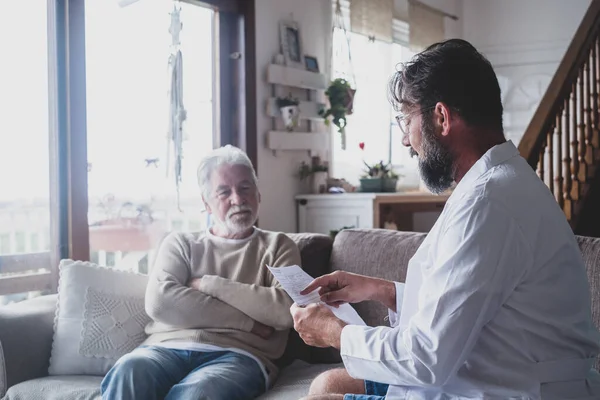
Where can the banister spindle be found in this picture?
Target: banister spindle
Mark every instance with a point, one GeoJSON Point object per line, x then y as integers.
{"type": "Point", "coordinates": [559, 160]}
{"type": "Point", "coordinates": [582, 175]}
{"type": "Point", "coordinates": [567, 159]}
{"type": "Point", "coordinates": [589, 128]}
{"type": "Point", "coordinates": [542, 161]}
{"type": "Point", "coordinates": [574, 143]}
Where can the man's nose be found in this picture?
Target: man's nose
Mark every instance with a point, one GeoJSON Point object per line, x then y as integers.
{"type": "Point", "coordinates": [405, 140]}
{"type": "Point", "coordinates": [236, 199]}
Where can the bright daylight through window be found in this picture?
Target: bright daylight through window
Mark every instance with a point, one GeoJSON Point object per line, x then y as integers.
{"type": "Point", "coordinates": [373, 120]}
{"type": "Point", "coordinates": [132, 193]}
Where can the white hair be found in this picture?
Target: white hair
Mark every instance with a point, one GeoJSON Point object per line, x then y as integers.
{"type": "Point", "coordinates": [226, 155]}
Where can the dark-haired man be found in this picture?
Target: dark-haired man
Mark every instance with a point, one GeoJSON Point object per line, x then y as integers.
{"type": "Point", "coordinates": [496, 303]}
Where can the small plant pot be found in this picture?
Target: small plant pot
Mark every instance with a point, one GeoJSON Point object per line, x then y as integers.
{"type": "Point", "coordinates": [371, 185]}
{"type": "Point", "coordinates": [290, 116]}
{"type": "Point", "coordinates": [349, 101]}
{"type": "Point", "coordinates": [389, 184]}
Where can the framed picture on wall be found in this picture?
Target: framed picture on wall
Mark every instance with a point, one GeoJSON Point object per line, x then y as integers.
{"type": "Point", "coordinates": [311, 63]}
{"type": "Point", "coordinates": [291, 44]}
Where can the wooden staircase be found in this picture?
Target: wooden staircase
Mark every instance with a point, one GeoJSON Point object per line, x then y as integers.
{"type": "Point", "coordinates": [562, 141]}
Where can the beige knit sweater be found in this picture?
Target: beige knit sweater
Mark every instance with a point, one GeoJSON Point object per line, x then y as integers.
{"type": "Point", "coordinates": [236, 289]}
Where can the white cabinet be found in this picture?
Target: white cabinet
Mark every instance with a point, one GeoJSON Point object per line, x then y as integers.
{"type": "Point", "coordinates": [322, 213]}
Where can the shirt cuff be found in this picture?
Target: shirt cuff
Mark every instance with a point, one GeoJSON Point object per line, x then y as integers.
{"type": "Point", "coordinates": [395, 316]}
{"type": "Point", "coordinates": [348, 340]}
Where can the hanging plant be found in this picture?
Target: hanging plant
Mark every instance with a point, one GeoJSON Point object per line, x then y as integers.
{"type": "Point", "coordinates": [341, 99]}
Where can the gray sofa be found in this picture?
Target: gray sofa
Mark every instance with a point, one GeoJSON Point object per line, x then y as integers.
{"type": "Point", "coordinates": [26, 328]}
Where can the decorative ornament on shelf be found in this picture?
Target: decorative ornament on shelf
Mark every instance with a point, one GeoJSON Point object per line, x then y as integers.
{"type": "Point", "coordinates": [290, 111]}
{"type": "Point", "coordinates": [341, 101]}
{"type": "Point", "coordinates": [378, 177]}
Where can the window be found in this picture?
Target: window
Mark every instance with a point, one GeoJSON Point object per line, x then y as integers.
{"type": "Point", "coordinates": [19, 242]}
{"type": "Point", "coordinates": [131, 184]}
{"type": "Point", "coordinates": [24, 143]}
{"type": "Point", "coordinates": [5, 244]}
{"type": "Point", "coordinates": [34, 242]}
{"type": "Point", "coordinates": [373, 120]}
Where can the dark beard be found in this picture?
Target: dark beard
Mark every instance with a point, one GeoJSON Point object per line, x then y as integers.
{"type": "Point", "coordinates": [436, 164]}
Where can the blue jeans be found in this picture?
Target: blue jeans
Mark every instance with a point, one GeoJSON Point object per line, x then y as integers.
{"type": "Point", "coordinates": [153, 372]}
{"type": "Point", "coordinates": [373, 391]}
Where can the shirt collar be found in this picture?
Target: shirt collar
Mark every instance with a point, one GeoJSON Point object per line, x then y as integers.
{"type": "Point", "coordinates": [497, 155]}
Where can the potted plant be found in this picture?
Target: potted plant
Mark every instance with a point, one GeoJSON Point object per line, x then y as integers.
{"type": "Point", "coordinates": [290, 112]}
{"type": "Point", "coordinates": [341, 100]}
{"type": "Point", "coordinates": [378, 177]}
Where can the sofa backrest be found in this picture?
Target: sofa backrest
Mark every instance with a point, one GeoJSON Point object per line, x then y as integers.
{"type": "Point", "coordinates": [590, 250]}
{"type": "Point", "coordinates": [385, 254]}
{"type": "Point", "coordinates": [315, 251]}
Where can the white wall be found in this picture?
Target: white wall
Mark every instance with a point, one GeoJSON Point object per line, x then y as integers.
{"type": "Point", "coordinates": [525, 41]}
{"type": "Point", "coordinates": [276, 173]}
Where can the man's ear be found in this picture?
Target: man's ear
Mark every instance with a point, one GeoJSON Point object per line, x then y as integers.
{"type": "Point", "coordinates": [442, 118]}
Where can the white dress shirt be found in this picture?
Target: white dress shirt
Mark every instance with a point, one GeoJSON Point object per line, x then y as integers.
{"type": "Point", "coordinates": [496, 303]}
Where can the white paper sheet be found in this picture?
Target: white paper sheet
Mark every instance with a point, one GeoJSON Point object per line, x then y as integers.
{"type": "Point", "coordinates": [293, 279]}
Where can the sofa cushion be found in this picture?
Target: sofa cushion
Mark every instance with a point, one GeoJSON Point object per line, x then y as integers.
{"type": "Point", "coordinates": [66, 387]}
{"type": "Point", "coordinates": [315, 251]}
{"type": "Point", "coordinates": [293, 383]}
{"type": "Point", "coordinates": [374, 252]}
{"type": "Point", "coordinates": [25, 339]}
{"type": "Point", "coordinates": [100, 316]}
{"type": "Point", "coordinates": [590, 250]}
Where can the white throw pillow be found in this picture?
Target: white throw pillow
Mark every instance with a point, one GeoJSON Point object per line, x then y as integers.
{"type": "Point", "coordinates": [100, 316]}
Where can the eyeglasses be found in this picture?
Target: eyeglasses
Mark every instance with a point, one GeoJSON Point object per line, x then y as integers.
{"type": "Point", "coordinates": [401, 119]}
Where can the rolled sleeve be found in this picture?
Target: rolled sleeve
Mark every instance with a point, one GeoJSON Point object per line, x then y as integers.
{"type": "Point", "coordinates": [394, 317]}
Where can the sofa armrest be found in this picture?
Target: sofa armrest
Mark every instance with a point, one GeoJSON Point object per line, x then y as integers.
{"type": "Point", "coordinates": [26, 331]}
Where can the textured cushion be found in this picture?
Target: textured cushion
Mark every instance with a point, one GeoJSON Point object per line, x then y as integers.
{"type": "Point", "coordinates": [590, 249]}
{"type": "Point", "coordinates": [100, 316]}
{"type": "Point", "coordinates": [66, 387]}
{"type": "Point", "coordinates": [26, 339]}
{"type": "Point", "coordinates": [315, 250]}
{"type": "Point", "coordinates": [294, 381]}
{"type": "Point", "coordinates": [375, 252]}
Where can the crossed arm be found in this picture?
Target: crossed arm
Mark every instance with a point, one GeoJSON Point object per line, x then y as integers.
{"type": "Point", "coordinates": [170, 301]}
{"type": "Point", "coordinates": [213, 301]}
{"type": "Point", "coordinates": [267, 305]}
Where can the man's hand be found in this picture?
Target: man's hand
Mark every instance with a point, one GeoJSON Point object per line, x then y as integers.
{"type": "Point", "coordinates": [317, 325]}
{"type": "Point", "coordinates": [262, 330]}
{"type": "Point", "coordinates": [195, 283]}
{"type": "Point", "coordinates": [342, 287]}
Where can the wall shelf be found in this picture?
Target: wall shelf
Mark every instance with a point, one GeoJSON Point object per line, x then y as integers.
{"type": "Point", "coordinates": [294, 77]}
{"type": "Point", "coordinates": [309, 110]}
{"type": "Point", "coordinates": [311, 141]}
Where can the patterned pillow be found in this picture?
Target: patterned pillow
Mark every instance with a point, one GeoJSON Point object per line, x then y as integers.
{"type": "Point", "coordinates": [100, 316]}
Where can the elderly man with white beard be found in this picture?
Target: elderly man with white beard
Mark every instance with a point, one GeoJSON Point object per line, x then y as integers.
{"type": "Point", "coordinates": [219, 318]}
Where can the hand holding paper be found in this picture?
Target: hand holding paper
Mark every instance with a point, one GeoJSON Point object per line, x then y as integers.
{"type": "Point", "coordinates": [293, 279]}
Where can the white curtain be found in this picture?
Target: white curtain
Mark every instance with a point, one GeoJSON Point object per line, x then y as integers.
{"type": "Point", "coordinates": [426, 26]}
{"type": "Point", "coordinates": [372, 18]}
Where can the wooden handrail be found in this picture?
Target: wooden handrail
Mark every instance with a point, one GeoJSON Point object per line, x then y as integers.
{"type": "Point", "coordinates": [561, 85]}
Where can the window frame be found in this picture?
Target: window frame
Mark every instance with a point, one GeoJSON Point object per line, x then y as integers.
{"type": "Point", "coordinates": [69, 230]}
